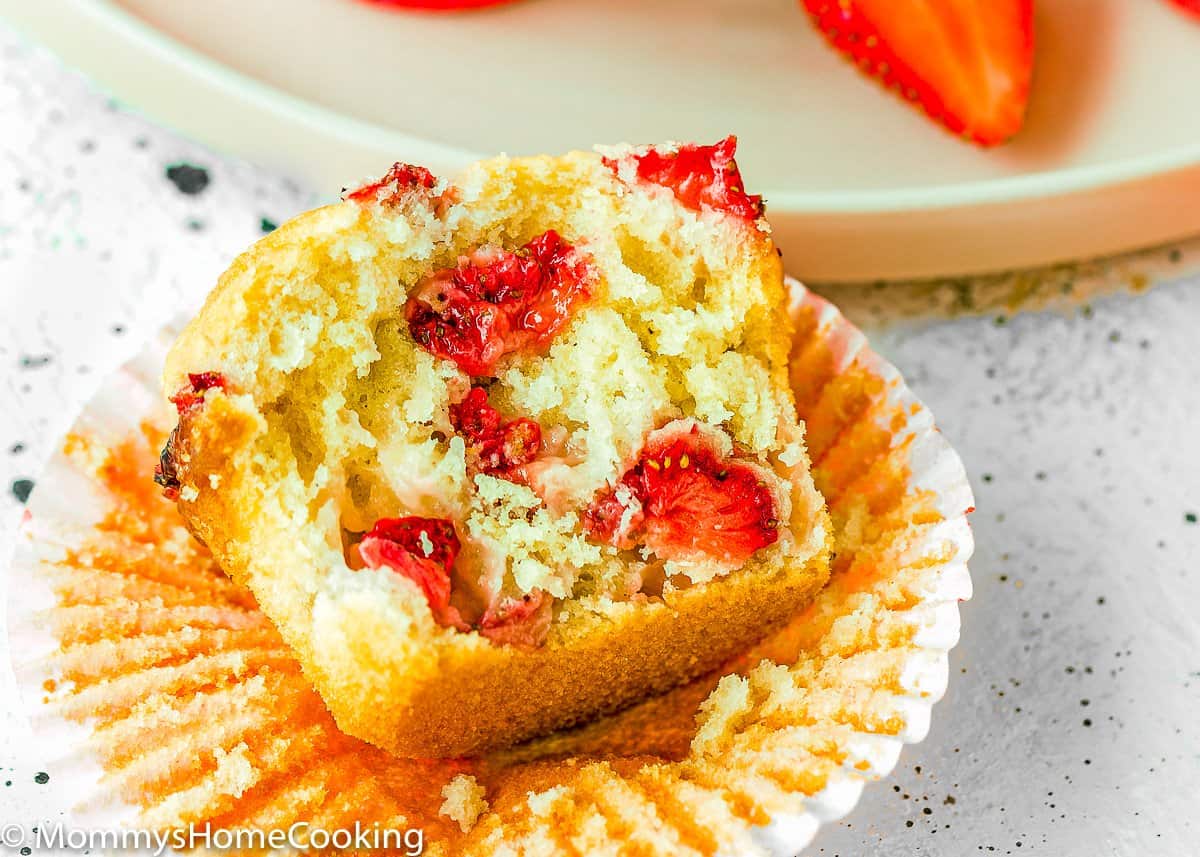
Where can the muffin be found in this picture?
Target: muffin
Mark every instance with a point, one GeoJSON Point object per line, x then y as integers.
{"type": "Point", "coordinates": [500, 453]}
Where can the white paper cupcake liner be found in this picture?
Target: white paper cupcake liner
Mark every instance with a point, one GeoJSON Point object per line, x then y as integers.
{"type": "Point", "coordinates": [795, 755]}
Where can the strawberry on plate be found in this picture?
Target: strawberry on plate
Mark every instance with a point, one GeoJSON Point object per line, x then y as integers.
{"type": "Point", "coordinates": [440, 5]}
{"type": "Point", "coordinates": [1192, 6]}
{"type": "Point", "coordinates": [968, 63]}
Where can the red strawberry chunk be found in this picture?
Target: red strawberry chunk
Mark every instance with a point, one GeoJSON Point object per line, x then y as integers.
{"type": "Point", "coordinates": [187, 401]}
{"type": "Point", "coordinates": [523, 622]}
{"type": "Point", "coordinates": [421, 549]}
{"type": "Point", "coordinates": [192, 396]}
{"type": "Point", "coordinates": [684, 500]}
{"type": "Point", "coordinates": [498, 446]}
{"type": "Point", "coordinates": [616, 516]}
{"type": "Point", "coordinates": [390, 190]}
{"type": "Point", "coordinates": [700, 176]}
{"type": "Point", "coordinates": [498, 302]}
{"type": "Point", "coordinates": [424, 551]}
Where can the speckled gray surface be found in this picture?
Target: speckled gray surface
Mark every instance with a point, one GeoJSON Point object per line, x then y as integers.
{"type": "Point", "coordinates": [1071, 726]}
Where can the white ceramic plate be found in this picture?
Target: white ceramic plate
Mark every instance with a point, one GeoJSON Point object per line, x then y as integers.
{"type": "Point", "coordinates": [858, 185]}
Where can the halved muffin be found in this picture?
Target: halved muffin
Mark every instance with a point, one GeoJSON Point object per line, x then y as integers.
{"type": "Point", "coordinates": [500, 453]}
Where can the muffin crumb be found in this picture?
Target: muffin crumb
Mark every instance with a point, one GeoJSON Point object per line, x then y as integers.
{"type": "Point", "coordinates": [464, 802]}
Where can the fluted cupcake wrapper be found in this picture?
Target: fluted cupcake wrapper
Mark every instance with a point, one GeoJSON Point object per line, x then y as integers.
{"type": "Point", "coordinates": [165, 697]}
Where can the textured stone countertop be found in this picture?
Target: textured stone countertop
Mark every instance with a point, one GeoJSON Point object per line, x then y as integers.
{"type": "Point", "coordinates": [1071, 726]}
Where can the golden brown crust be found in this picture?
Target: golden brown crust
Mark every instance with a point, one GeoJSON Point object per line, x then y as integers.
{"type": "Point", "coordinates": [595, 665]}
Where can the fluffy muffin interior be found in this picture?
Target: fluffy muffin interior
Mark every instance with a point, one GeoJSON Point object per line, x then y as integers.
{"type": "Point", "coordinates": [680, 326]}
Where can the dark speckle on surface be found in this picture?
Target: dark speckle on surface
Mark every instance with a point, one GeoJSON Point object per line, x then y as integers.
{"type": "Point", "coordinates": [95, 251]}
{"type": "Point", "coordinates": [195, 224]}
{"type": "Point", "coordinates": [35, 361]}
{"type": "Point", "coordinates": [1099, 722]}
{"type": "Point", "coordinates": [187, 178]}
{"type": "Point", "coordinates": [22, 488]}
{"type": "Point", "coordinates": [267, 225]}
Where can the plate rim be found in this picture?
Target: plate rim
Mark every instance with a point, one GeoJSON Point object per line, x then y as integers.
{"type": "Point", "coordinates": [53, 30]}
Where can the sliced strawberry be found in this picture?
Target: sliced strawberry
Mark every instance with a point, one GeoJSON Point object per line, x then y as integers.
{"type": "Point", "coordinates": [187, 401]}
{"type": "Point", "coordinates": [686, 501]}
{"type": "Point", "coordinates": [967, 62]}
{"type": "Point", "coordinates": [522, 622]}
{"type": "Point", "coordinates": [440, 5]}
{"type": "Point", "coordinates": [498, 302]}
{"type": "Point", "coordinates": [390, 190]}
{"type": "Point", "coordinates": [700, 177]}
{"type": "Point", "coordinates": [421, 549]}
{"type": "Point", "coordinates": [1192, 6]}
{"type": "Point", "coordinates": [496, 445]}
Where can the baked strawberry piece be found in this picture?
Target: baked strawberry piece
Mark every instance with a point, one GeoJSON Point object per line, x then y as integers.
{"type": "Point", "coordinates": [500, 452]}
{"type": "Point", "coordinates": [499, 301]}
{"type": "Point", "coordinates": [689, 500]}
{"type": "Point", "coordinates": [187, 401]}
{"type": "Point", "coordinates": [700, 177]}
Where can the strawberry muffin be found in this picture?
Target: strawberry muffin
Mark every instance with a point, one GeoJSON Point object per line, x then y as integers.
{"type": "Point", "coordinates": [502, 452]}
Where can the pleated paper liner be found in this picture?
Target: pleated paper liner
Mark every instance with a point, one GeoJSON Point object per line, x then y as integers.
{"type": "Point", "coordinates": [167, 699]}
